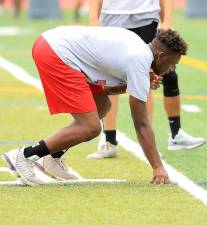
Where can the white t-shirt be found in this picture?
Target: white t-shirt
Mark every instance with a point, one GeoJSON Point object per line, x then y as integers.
{"type": "Point", "coordinates": [130, 6]}
{"type": "Point", "coordinates": [108, 54]}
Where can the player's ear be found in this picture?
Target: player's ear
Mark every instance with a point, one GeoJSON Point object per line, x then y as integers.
{"type": "Point", "coordinates": [160, 56]}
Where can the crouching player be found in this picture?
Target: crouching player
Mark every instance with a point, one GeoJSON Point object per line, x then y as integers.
{"type": "Point", "coordinates": [79, 67]}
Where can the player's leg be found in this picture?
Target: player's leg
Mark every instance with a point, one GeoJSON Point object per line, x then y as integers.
{"type": "Point", "coordinates": [109, 121]}
{"type": "Point", "coordinates": [71, 94]}
{"type": "Point", "coordinates": [85, 127]}
{"type": "Point", "coordinates": [178, 138]}
{"type": "Point", "coordinates": [108, 145]}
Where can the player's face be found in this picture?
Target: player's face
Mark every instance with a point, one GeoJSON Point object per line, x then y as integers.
{"type": "Point", "coordinates": [166, 62]}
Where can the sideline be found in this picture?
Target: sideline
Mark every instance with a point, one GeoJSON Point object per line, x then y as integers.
{"type": "Point", "coordinates": [128, 144]}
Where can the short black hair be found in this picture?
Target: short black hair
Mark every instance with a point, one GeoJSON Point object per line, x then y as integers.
{"type": "Point", "coordinates": [172, 40]}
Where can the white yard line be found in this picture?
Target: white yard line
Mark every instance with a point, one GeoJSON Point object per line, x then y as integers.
{"type": "Point", "coordinates": [128, 144]}
{"type": "Point", "coordinates": [69, 182]}
{"type": "Point", "coordinates": [191, 108]}
{"type": "Point", "coordinates": [4, 170]}
{"type": "Point", "coordinates": [19, 73]}
{"type": "Point", "coordinates": [9, 31]}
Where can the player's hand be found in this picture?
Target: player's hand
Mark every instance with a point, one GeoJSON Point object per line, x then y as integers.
{"type": "Point", "coordinates": [160, 176]}
{"type": "Point", "coordinates": [166, 26]}
{"type": "Point", "coordinates": [155, 81]}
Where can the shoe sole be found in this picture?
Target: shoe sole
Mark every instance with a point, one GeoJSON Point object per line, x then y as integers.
{"type": "Point", "coordinates": [180, 147]}
{"type": "Point", "coordinates": [10, 165]}
{"type": "Point", "coordinates": [25, 181]}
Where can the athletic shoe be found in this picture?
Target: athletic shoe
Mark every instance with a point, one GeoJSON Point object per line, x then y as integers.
{"type": "Point", "coordinates": [106, 150]}
{"type": "Point", "coordinates": [24, 167]}
{"type": "Point", "coordinates": [184, 141]}
{"type": "Point", "coordinates": [56, 168]}
{"type": "Point", "coordinates": [10, 159]}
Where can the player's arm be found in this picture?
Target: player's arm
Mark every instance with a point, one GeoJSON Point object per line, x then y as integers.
{"type": "Point", "coordinates": [94, 11]}
{"type": "Point", "coordinates": [166, 11]}
{"type": "Point", "coordinates": [146, 138]}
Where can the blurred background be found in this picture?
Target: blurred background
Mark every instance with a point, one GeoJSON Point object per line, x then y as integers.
{"type": "Point", "coordinates": [53, 9]}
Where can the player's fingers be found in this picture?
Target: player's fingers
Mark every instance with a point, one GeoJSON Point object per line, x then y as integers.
{"type": "Point", "coordinates": [160, 180]}
{"type": "Point", "coordinates": [167, 180]}
{"type": "Point", "coordinates": [152, 181]}
{"type": "Point", "coordinates": [155, 180]}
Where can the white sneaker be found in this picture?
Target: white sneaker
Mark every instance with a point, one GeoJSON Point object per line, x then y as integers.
{"type": "Point", "coordinates": [24, 168]}
{"type": "Point", "coordinates": [10, 159]}
{"type": "Point", "coordinates": [106, 150]}
{"type": "Point", "coordinates": [56, 168]}
{"type": "Point", "coordinates": [184, 141]}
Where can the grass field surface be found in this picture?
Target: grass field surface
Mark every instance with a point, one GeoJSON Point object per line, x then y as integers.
{"type": "Point", "coordinates": [24, 119]}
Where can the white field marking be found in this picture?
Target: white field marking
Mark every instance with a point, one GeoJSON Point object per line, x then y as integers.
{"type": "Point", "coordinates": [13, 31]}
{"type": "Point", "coordinates": [128, 144]}
{"type": "Point", "coordinates": [4, 170]}
{"type": "Point", "coordinates": [175, 176]}
{"type": "Point", "coordinates": [49, 180]}
{"type": "Point", "coordinates": [19, 73]}
{"type": "Point", "coordinates": [191, 108]}
{"type": "Point", "coordinates": [41, 108]}
{"type": "Point", "coordinates": [9, 31]}
{"type": "Point", "coordinates": [89, 181]}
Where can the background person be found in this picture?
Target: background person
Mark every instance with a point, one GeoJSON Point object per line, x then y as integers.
{"type": "Point", "coordinates": [16, 7]}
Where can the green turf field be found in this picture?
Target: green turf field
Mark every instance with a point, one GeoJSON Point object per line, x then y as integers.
{"type": "Point", "coordinates": [24, 119]}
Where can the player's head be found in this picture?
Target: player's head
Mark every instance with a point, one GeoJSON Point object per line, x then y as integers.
{"type": "Point", "coordinates": [167, 48]}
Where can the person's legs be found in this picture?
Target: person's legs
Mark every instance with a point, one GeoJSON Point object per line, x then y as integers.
{"type": "Point", "coordinates": [66, 91]}
{"type": "Point", "coordinates": [1, 7]}
{"type": "Point", "coordinates": [16, 8]}
{"type": "Point", "coordinates": [178, 138]}
{"type": "Point", "coordinates": [109, 120]}
{"type": "Point", "coordinates": [171, 101]}
{"type": "Point", "coordinates": [84, 127]}
{"type": "Point", "coordinates": [108, 143]}
{"type": "Point", "coordinates": [107, 146]}
{"type": "Point", "coordinates": [77, 7]}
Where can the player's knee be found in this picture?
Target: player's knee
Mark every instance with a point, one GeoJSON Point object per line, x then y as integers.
{"type": "Point", "coordinates": [170, 85]}
{"type": "Point", "coordinates": [92, 130]}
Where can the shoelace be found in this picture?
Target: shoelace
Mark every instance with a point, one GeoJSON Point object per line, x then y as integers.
{"type": "Point", "coordinates": [60, 162]}
{"type": "Point", "coordinates": [25, 163]}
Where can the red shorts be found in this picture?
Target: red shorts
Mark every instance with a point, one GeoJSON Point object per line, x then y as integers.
{"type": "Point", "coordinates": [66, 89]}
